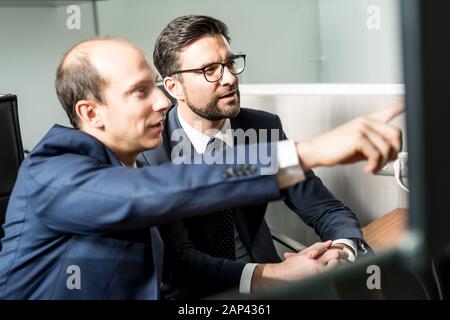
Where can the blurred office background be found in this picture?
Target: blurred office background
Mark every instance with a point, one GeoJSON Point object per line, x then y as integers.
{"type": "Point", "coordinates": [316, 63]}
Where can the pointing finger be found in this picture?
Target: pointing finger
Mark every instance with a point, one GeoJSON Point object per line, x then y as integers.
{"type": "Point", "coordinates": [387, 114]}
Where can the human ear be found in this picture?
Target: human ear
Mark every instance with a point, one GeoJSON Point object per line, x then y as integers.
{"type": "Point", "coordinates": [88, 112]}
{"type": "Point", "coordinates": [174, 87]}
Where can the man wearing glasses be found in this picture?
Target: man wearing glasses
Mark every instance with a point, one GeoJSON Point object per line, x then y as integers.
{"type": "Point", "coordinates": [231, 248]}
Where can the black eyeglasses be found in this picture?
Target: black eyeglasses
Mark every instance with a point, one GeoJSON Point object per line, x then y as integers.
{"type": "Point", "coordinates": [213, 72]}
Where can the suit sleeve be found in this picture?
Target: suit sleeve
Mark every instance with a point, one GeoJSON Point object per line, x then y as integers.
{"type": "Point", "coordinates": [318, 207]}
{"type": "Point", "coordinates": [75, 194]}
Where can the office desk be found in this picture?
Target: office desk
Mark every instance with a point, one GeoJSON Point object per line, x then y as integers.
{"type": "Point", "coordinates": [386, 231]}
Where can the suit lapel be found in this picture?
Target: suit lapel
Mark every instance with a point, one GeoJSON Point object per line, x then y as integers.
{"type": "Point", "coordinates": [235, 124]}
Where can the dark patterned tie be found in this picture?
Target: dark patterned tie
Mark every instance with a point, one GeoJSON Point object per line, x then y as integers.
{"type": "Point", "coordinates": [224, 220]}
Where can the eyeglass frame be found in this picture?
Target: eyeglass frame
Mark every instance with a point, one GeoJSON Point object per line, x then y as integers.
{"type": "Point", "coordinates": [224, 64]}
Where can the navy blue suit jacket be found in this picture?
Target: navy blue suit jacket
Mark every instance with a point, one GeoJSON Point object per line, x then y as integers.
{"type": "Point", "coordinates": [75, 211]}
{"type": "Point", "coordinates": [191, 270]}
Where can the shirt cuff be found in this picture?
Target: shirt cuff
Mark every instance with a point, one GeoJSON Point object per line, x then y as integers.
{"type": "Point", "coordinates": [290, 171]}
{"type": "Point", "coordinates": [245, 286]}
{"type": "Point", "coordinates": [352, 254]}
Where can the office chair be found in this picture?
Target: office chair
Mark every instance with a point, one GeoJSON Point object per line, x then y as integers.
{"type": "Point", "coordinates": [11, 155]}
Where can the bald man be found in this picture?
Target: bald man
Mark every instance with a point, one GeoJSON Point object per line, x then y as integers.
{"type": "Point", "coordinates": [81, 220]}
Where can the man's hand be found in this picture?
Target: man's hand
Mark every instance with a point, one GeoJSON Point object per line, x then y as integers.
{"type": "Point", "coordinates": [331, 257]}
{"type": "Point", "coordinates": [369, 137]}
{"type": "Point", "coordinates": [297, 266]}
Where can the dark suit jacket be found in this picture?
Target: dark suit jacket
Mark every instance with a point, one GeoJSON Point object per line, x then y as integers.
{"type": "Point", "coordinates": [189, 267]}
{"type": "Point", "coordinates": [77, 216]}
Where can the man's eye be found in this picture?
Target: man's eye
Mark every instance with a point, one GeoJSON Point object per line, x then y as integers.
{"type": "Point", "coordinates": [210, 69]}
{"type": "Point", "coordinates": [142, 90]}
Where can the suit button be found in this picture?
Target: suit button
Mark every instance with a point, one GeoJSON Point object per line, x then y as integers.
{"type": "Point", "coordinates": [229, 172]}
{"type": "Point", "coordinates": [239, 171]}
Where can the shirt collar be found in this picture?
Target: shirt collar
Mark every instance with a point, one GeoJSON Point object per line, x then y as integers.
{"type": "Point", "coordinates": [135, 165]}
{"type": "Point", "coordinates": [200, 140]}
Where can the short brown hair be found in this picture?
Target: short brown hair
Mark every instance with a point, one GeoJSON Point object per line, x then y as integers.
{"type": "Point", "coordinates": [178, 34]}
{"type": "Point", "coordinates": [78, 80]}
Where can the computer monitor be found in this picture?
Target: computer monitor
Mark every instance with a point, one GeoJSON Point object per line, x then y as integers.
{"type": "Point", "coordinates": [426, 28]}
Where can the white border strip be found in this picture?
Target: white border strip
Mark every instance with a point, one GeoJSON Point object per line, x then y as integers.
{"type": "Point", "coordinates": [321, 89]}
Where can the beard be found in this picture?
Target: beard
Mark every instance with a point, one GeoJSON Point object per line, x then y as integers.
{"type": "Point", "coordinates": [213, 112]}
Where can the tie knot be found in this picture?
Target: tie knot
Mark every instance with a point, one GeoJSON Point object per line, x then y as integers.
{"type": "Point", "coordinates": [214, 144]}
{"type": "Point", "coordinates": [211, 141]}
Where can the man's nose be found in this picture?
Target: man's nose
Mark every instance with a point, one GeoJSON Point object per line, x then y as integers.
{"type": "Point", "coordinates": [161, 103]}
{"type": "Point", "coordinates": [228, 78]}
